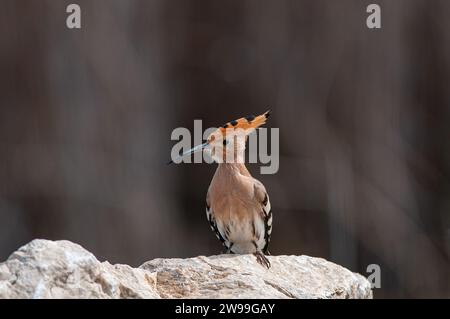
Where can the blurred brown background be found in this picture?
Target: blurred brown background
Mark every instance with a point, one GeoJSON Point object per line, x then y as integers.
{"type": "Point", "coordinates": [86, 117]}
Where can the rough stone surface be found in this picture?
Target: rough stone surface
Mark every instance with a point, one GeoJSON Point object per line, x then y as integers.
{"type": "Point", "coordinates": [62, 269]}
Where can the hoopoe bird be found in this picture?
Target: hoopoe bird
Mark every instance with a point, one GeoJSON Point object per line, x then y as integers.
{"type": "Point", "coordinates": [237, 205]}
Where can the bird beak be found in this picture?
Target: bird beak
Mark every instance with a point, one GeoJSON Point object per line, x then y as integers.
{"type": "Point", "coordinates": [193, 150]}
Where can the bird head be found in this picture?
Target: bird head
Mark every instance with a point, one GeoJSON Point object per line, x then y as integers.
{"type": "Point", "coordinates": [227, 143]}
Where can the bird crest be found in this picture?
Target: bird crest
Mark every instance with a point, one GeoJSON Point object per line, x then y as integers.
{"type": "Point", "coordinates": [250, 122]}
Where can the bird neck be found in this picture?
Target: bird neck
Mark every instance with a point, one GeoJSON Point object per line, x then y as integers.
{"type": "Point", "coordinates": [233, 169]}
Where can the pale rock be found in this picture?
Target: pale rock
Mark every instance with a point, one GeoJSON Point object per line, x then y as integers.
{"type": "Point", "coordinates": [62, 269]}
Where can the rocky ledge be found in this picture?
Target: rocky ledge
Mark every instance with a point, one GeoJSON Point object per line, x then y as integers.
{"type": "Point", "coordinates": [62, 269]}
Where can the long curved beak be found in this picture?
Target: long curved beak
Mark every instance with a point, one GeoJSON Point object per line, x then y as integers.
{"type": "Point", "coordinates": [193, 150]}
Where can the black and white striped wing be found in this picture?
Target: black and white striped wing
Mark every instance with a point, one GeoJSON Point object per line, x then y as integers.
{"type": "Point", "coordinates": [263, 197]}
